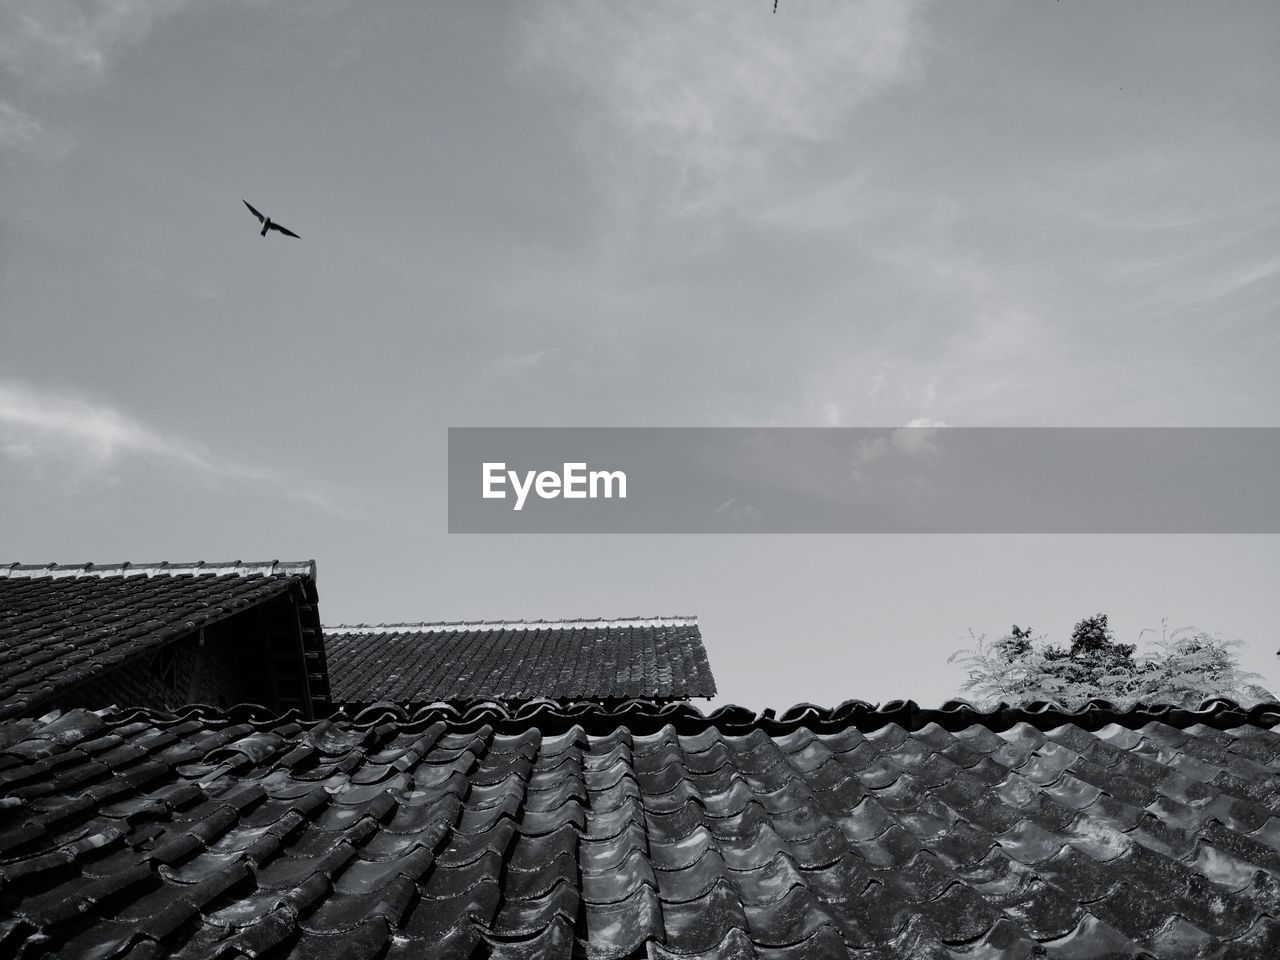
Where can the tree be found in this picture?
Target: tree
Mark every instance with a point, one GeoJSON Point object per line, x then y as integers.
{"type": "Point", "coordinates": [1094, 659]}
{"type": "Point", "coordinates": [1187, 665]}
{"type": "Point", "coordinates": [1184, 667]}
{"type": "Point", "coordinates": [1013, 669]}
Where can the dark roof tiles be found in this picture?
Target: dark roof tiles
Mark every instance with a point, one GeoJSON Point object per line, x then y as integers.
{"type": "Point", "coordinates": [450, 833]}
{"type": "Point", "coordinates": [655, 658]}
{"type": "Point", "coordinates": [60, 625]}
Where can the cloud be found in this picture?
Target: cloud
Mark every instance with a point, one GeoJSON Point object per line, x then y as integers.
{"type": "Point", "coordinates": [21, 133]}
{"type": "Point", "coordinates": [915, 438]}
{"type": "Point", "coordinates": [831, 207]}
{"type": "Point", "coordinates": [38, 427]}
{"type": "Point", "coordinates": [733, 510]}
{"type": "Point", "coordinates": [698, 103]}
{"type": "Point", "coordinates": [17, 130]}
{"type": "Point", "coordinates": [97, 433]}
{"type": "Point", "coordinates": [56, 42]}
{"type": "Point", "coordinates": [528, 359]}
{"type": "Point", "coordinates": [879, 380]}
{"type": "Point", "coordinates": [918, 436]}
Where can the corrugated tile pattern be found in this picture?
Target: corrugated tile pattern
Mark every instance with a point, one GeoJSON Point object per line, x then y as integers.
{"type": "Point", "coordinates": [60, 629]}
{"type": "Point", "coordinates": [219, 835]}
{"type": "Point", "coordinates": [620, 659]}
{"type": "Point", "coordinates": [645, 716]}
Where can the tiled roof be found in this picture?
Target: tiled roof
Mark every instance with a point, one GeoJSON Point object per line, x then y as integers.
{"type": "Point", "coordinates": [60, 625]}
{"type": "Point", "coordinates": [656, 658]}
{"type": "Point", "coordinates": [856, 832]}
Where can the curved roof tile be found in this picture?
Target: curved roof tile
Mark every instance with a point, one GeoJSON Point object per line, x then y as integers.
{"type": "Point", "coordinates": [238, 834]}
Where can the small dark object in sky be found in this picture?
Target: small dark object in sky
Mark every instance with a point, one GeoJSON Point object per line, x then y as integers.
{"type": "Point", "coordinates": [268, 223]}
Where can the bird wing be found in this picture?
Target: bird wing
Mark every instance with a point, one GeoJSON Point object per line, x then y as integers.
{"type": "Point", "coordinates": [285, 230]}
{"type": "Point", "coordinates": [261, 218]}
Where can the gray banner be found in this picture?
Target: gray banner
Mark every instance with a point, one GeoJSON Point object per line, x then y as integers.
{"type": "Point", "coordinates": [863, 480]}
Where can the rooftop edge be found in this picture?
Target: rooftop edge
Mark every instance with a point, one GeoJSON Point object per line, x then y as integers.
{"type": "Point", "coordinates": [642, 716]}
{"type": "Point", "coordinates": [456, 626]}
{"type": "Point", "coordinates": [266, 568]}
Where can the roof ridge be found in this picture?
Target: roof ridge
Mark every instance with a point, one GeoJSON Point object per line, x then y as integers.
{"type": "Point", "coordinates": [644, 714]}
{"type": "Point", "coordinates": [452, 626]}
{"type": "Point", "coordinates": [267, 568]}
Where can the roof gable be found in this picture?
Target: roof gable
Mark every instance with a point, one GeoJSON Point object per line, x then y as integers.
{"type": "Point", "coordinates": [63, 625]}
{"type": "Point", "coordinates": [660, 658]}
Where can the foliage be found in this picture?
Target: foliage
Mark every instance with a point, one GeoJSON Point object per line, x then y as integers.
{"type": "Point", "coordinates": [1182, 666]}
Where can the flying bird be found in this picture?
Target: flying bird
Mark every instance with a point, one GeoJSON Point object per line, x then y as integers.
{"type": "Point", "coordinates": [268, 223]}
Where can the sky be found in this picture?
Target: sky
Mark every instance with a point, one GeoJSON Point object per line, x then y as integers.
{"type": "Point", "coordinates": [586, 214]}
